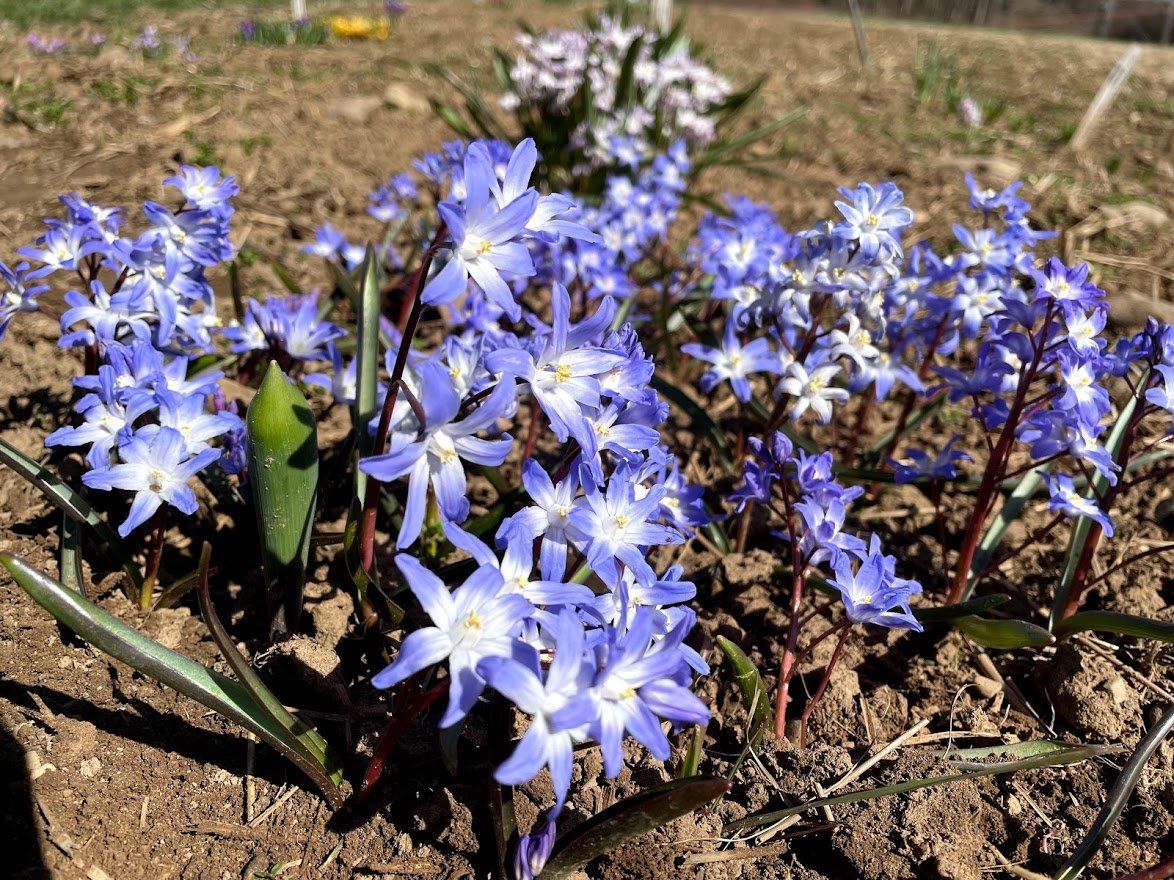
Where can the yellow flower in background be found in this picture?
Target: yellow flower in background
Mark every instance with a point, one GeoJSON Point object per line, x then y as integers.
{"type": "Point", "coordinates": [359, 27]}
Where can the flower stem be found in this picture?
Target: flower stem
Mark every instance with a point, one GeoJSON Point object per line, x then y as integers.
{"type": "Point", "coordinates": [154, 557]}
{"type": "Point", "coordinates": [823, 685]}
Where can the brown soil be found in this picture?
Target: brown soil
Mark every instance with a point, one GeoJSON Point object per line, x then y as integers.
{"type": "Point", "coordinates": [106, 774]}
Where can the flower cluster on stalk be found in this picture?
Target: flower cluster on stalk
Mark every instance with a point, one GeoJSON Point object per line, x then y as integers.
{"type": "Point", "coordinates": [144, 311]}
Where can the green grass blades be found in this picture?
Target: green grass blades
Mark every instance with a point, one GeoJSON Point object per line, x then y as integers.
{"type": "Point", "coordinates": [1118, 796]}
{"type": "Point", "coordinates": [70, 502]}
{"type": "Point", "coordinates": [218, 692]}
{"type": "Point", "coordinates": [1029, 756]}
{"type": "Point", "coordinates": [283, 471]}
{"type": "Point", "coordinates": [630, 818]}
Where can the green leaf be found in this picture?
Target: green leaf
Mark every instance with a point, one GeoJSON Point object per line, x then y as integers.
{"type": "Point", "coordinates": [1114, 622]}
{"type": "Point", "coordinates": [70, 557]}
{"type": "Point", "coordinates": [702, 423]}
{"type": "Point", "coordinates": [626, 82]}
{"type": "Point", "coordinates": [630, 818]}
{"type": "Point", "coordinates": [312, 751]}
{"type": "Point", "coordinates": [73, 505]}
{"type": "Point", "coordinates": [691, 765]}
{"type": "Point", "coordinates": [753, 690]}
{"type": "Point", "coordinates": [717, 155]}
{"type": "Point", "coordinates": [366, 405]}
{"type": "Point", "coordinates": [1118, 797]}
{"type": "Point", "coordinates": [283, 470]}
{"type": "Point", "coordinates": [283, 275]}
{"type": "Point", "coordinates": [1049, 754]}
{"type": "Point", "coordinates": [948, 613]}
{"type": "Point", "coordinates": [452, 119]}
{"type": "Point", "coordinates": [1008, 513]}
{"type": "Point", "coordinates": [1004, 634]}
{"type": "Point", "coordinates": [206, 686]}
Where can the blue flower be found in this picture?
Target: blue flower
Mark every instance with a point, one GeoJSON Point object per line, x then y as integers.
{"type": "Point", "coordinates": [204, 188]}
{"type": "Point", "coordinates": [612, 528]}
{"type": "Point", "coordinates": [871, 592]}
{"type": "Point", "coordinates": [521, 680]}
{"type": "Point", "coordinates": [433, 457]}
{"type": "Point", "coordinates": [1063, 498]}
{"type": "Point", "coordinates": [18, 293]}
{"type": "Point", "coordinates": [156, 470]}
{"type": "Point", "coordinates": [923, 466]}
{"type": "Point", "coordinates": [874, 217]}
{"type": "Point", "coordinates": [638, 681]}
{"type": "Point", "coordinates": [474, 621]}
{"type": "Point", "coordinates": [547, 518]}
{"type": "Point", "coordinates": [734, 362]}
{"type": "Point", "coordinates": [562, 370]}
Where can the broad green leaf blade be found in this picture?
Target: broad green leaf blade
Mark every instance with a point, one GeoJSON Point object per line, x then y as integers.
{"type": "Point", "coordinates": [1082, 527]}
{"type": "Point", "coordinates": [702, 423]}
{"type": "Point", "coordinates": [753, 690]}
{"type": "Point", "coordinates": [1118, 796]}
{"type": "Point", "coordinates": [630, 818]}
{"type": "Point", "coordinates": [1051, 757]}
{"type": "Point", "coordinates": [1115, 622]}
{"type": "Point", "coordinates": [301, 737]}
{"type": "Point", "coordinates": [283, 469]}
{"type": "Point", "coordinates": [206, 686]}
{"type": "Point", "coordinates": [366, 363]}
{"type": "Point", "coordinates": [947, 613]}
{"type": "Point", "coordinates": [1004, 634]}
{"type": "Point", "coordinates": [73, 505]}
{"type": "Point", "coordinates": [1010, 511]}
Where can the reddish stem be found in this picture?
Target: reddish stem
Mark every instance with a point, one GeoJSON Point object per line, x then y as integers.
{"type": "Point", "coordinates": [396, 726]}
{"type": "Point", "coordinates": [823, 686]}
{"type": "Point", "coordinates": [992, 476]}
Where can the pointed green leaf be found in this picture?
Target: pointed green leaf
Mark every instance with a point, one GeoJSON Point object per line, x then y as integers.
{"type": "Point", "coordinates": [630, 818]}
{"type": "Point", "coordinates": [691, 765]}
{"type": "Point", "coordinates": [70, 558]}
{"type": "Point", "coordinates": [718, 155]}
{"type": "Point", "coordinates": [366, 404]}
{"type": "Point", "coordinates": [1115, 622]}
{"type": "Point", "coordinates": [283, 470]}
{"type": "Point", "coordinates": [1054, 755]}
{"type": "Point", "coordinates": [313, 752]}
{"type": "Point", "coordinates": [206, 686]}
{"type": "Point", "coordinates": [753, 690]}
{"type": "Point", "coordinates": [73, 505]}
{"type": "Point", "coordinates": [1004, 634]}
